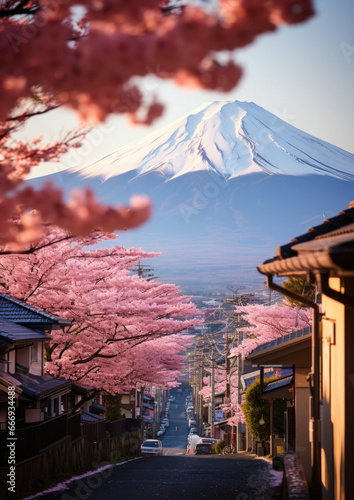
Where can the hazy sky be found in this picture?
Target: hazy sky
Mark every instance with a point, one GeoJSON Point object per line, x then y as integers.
{"type": "Point", "coordinates": [304, 74]}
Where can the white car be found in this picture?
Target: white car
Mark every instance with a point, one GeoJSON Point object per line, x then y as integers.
{"type": "Point", "coordinates": [166, 422]}
{"type": "Point", "coordinates": [206, 440]}
{"type": "Point", "coordinates": [152, 447]}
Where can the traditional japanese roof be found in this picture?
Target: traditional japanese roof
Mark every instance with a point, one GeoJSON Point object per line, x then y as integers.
{"type": "Point", "coordinates": [89, 417]}
{"type": "Point", "coordinates": [304, 332]}
{"type": "Point", "coordinates": [327, 248]}
{"type": "Point", "coordinates": [247, 379]}
{"type": "Point", "coordinates": [12, 332]}
{"type": "Point", "coordinates": [219, 423]}
{"type": "Point", "coordinates": [19, 312]}
{"type": "Point", "coordinates": [277, 384]}
{"type": "Point", "coordinates": [149, 406]}
{"type": "Point", "coordinates": [82, 389]}
{"type": "Point", "coordinates": [36, 387]}
{"type": "Point", "coordinates": [97, 409]}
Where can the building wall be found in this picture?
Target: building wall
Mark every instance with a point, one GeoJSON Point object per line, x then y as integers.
{"type": "Point", "coordinates": [302, 417]}
{"type": "Point", "coordinates": [36, 360]}
{"type": "Point", "coordinates": [12, 362]}
{"type": "Point", "coordinates": [338, 395]}
{"type": "Point", "coordinates": [302, 444]}
{"type": "Point", "coordinates": [23, 356]}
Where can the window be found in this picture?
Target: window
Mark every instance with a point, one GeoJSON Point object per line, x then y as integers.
{"type": "Point", "coordinates": [34, 353]}
{"type": "Point", "coordinates": [56, 406]}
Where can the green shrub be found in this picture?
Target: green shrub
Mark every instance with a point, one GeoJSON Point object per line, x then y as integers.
{"type": "Point", "coordinates": [219, 446]}
{"type": "Point", "coordinates": [255, 408]}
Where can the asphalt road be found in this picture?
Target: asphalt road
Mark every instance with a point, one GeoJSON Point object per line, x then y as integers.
{"type": "Point", "coordinates": [175, 441]}
{"type": "Point", "coordinates": [175, 475]}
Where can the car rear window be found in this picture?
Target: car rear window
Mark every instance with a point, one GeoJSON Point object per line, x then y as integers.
{"type": "Point", "coordinates": [203, 447]}
{"type": "Point", "coordinates": [151, 444]}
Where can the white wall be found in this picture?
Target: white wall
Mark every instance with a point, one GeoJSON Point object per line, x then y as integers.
{"type": "Point", "coordinates": [36, 367]}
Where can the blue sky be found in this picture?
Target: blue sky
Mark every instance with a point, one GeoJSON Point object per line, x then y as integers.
{"type": "Point", "coordinates": [303, 74]}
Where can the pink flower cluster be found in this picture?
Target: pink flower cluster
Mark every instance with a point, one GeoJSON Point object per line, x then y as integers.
{"type": "Point", "coordinates": [125, 330]}
{"type": "Point", "coordinates": [86, 55]}
{"type": "Point", "coordinates": [266, 323]}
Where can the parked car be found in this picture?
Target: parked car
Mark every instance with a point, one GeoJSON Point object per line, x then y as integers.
{"type": "Point", "coordinates": [192, 422]}
{"type": "Point", "coordinates": [211, 441]}
{"type": "Point", "coordinates": [152, 447]}
{"type": "Point", "coordinates": [193, 430]}
{"type": "Point", "coordinates": [203, 449]}
{"type": "Point", "coordinates": [160, 433]}
{"type": "Point", "coordinates": [166, 422]}
{"type": "Point", "coordinates": [206, 440]}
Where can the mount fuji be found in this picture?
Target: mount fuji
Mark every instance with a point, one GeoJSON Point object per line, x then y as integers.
{"type": "Point", "coordinates": [229, 183]}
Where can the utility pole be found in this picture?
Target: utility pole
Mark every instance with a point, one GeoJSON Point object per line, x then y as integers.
{"type": "Point", "coordinates": [212, 390]}
{"type": "Point", "coordinates": [143, 271]}
{"type": "Point", "coordinates": [239, 389]}
{"type": "Point", "coordinates": [227, 376]}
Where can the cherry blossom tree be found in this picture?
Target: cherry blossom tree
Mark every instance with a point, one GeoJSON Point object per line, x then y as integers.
{"type": "Point", "coordinates": [266, 323]}
{"type": "Point", "coordinates": [125, 330]}
{"type": "Point", "coordinates": [260, 324]}
{"type": "Point", "coordinates": [232, 409]}
{"type": "Point", "coordinates": [90, 56]}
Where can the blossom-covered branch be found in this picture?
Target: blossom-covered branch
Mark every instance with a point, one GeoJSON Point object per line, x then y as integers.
{"type": "Point", "coordinates": [89, 56]}
{"type": "Point", "coordinates": [124, 330]}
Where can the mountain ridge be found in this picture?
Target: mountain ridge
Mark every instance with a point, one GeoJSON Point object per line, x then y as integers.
{"type": "Point", "coordinates": [231, 138]}
{"type": "Point", "coordinates": [229, 183]}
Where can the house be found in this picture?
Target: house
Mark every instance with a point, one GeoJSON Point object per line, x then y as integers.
{"type": "Point", "coordinates": [325, 256]}
{"type": "Point", "coordinates": [291, 350]}
{"type": "Point", "coordinates": [49, 438]}
{"type": "Point", "coordinates": [23, 332]}
{"type": "Point", "coordinates": [128, 404]}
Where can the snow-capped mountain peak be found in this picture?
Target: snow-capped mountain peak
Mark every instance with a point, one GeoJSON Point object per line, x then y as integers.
{"type": "Point", "coordinates": [230, 139]}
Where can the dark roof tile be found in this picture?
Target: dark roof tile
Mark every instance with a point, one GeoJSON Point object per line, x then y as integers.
{"type": "Point", "coordinates": [282, 340]}
{"type": "Point", "coordinates": [14, 333]}
{"type": "Point", "coordinates": [19, 312]}
{"type": "Point", "coordinates": [341, 220]}
{"type": "Point", "coordinates": [277, 384]}
{"type": "Point", "coordinates": [35, 386]}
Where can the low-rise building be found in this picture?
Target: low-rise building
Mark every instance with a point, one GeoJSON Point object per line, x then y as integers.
{"type": "Point", "coordinates": [325, 256]}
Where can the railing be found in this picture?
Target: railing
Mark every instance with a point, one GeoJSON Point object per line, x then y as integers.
{"type": "Point", "coordinates": [30, 440]}
{"type": "Point", "coordinates": [116, 428]}
{"type": "Point", "coordinates": [119, 427]}
{"type": "Point", "coordinates": [74, 426]}
{"type": "Point", "coordinates": [95, 431]}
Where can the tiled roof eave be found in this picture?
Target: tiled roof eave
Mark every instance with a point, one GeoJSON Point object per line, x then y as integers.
{"type": "Point", "coordinates": [311, 262]}
{"type": "Point", "coordinates": [37, 315]}
{"type": "Point", "coordinates": [305, 339]}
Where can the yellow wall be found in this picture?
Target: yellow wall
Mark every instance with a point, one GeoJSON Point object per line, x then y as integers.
{"type": "Point", "coordinates": [338, 396]}
{"type": "Point", "coordinates": [302, 416]}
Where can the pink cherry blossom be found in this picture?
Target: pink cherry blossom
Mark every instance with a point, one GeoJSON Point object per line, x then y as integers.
{"type": "Point", "coordinates": [125, 330]}
{"type": "Point", "coordinates": [86, 56]}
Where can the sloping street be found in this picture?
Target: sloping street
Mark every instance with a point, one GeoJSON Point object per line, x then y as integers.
{"type": "Point", "coordinates": [174, 475]}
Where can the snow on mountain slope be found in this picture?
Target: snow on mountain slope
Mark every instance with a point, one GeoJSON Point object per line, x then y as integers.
{"type": "Point", "coordinates": [229, 183]}
{"type": "Point", "coordinates": [230, 139]}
